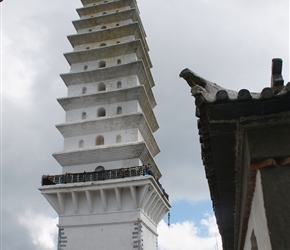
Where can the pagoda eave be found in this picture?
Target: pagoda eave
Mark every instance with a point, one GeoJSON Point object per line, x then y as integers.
{"type": "Point", "coordinates": [132, 29]}
{"type": "Point", "coordinates": [106, 153]}
{"type": "Point", "coordinates": [115, 72]}
{"type": "Point", "coordinates": [110, 51]}
{"type": "Point", "coordinates": [116, 123]}
{"type": "Point", "coordinates": [105, 19]}
{"type": "Point", "coordinates": [121, 95]}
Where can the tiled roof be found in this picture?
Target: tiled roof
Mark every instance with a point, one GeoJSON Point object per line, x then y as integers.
{"type": "Point", "coordinates": [211, 92]}
{"type": "Point", "coordinates": [225, 116]}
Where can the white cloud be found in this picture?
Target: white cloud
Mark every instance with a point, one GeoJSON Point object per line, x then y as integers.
{"type": "Point", "coordinates": [178, 236]}
{"type": "Point", "coordinates": [186, 235]}
{"type": "Point", "coordinates": [42, 230]}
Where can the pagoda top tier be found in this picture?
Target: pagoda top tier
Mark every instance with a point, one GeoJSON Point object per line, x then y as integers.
{"type": "Point", "coordinates": [106, 2]}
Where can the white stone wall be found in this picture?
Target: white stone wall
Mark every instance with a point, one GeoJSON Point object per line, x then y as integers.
{"type": "Point", "coordinates": [149, 238]}
{"type": "Point", "coordinates": [110, 62]}
{"type": "Point", "coordinates": [97, 2]}
{"type": "Point", "coordinates": [117, 236]}
{"type": "Point", "coordinates": [122, 236]}
{"type": "Point", "coordinates": [99, 27]}
{"type": "Point", "coordinates": [111, 84]}
{"type": "Point", "coordinates": [258, 221]}
{"type": "Point", "coordinates": [128, 135]}
{"type": "Point", "coordinates": [140, 137]}
{"type": "Point", "coordinates": [102, 13]}
{"type": "Point", "coordinates": [108, 43]}
{"type": "Point", "coordinates": [111, 110]}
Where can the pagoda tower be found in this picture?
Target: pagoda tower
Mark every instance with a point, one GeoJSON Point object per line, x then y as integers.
{"type": "Point", "coordinates": [106, 198]}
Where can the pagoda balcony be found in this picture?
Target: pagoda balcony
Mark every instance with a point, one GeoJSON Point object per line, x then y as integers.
{"type": "Point", "coordinates": [111, 174]}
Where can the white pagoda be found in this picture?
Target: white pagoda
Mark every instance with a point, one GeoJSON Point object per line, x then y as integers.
{"type": "Point", "coordinates": [105, 197]}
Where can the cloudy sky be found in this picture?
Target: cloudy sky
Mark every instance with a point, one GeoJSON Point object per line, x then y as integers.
{"type": "Point", "coordinates": [228, 42]}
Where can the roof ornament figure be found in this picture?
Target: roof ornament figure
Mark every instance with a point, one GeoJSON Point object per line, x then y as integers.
{"type": "Point", "coordinates": [277, 78]}
{"type": "Point", "coordinates": [206, 91]}
{"type": "Point", "coordinates": [201, 87]}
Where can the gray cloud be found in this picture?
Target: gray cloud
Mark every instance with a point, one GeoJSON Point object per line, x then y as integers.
{"type": "Point", "coordinates": [15, 236]}
{"type": "Point", "coordinates": [231, 43]}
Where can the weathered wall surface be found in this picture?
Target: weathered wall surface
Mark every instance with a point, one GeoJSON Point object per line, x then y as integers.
{"type": "Point", "coordinates": [276, 187]}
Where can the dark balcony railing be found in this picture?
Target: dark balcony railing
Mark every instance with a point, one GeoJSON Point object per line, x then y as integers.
{"type": "Point", "coordinates": [92, 176]}
{"type": "Point", "coordinates": [99, 176]}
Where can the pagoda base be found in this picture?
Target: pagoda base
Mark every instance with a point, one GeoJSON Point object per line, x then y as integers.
{"type": "Point", "coordinates": [111, 214]}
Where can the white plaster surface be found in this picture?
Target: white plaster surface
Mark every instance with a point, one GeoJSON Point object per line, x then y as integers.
{"type": "Point", "coordinates": [110, 61]}
{"type": "Point", "coordinates": [258, 220]}
{"type": "Point", "coordinates": [101, 13]}
{"type": "Point", "coordinates": [111, 84]}
{"type": "Point", "coordinates": [128, 135]}
{"type": "Point", "coordinates": [108, 25]}
{"type": "Point", "coordinates": [111, 110]}
{"type": "Point", "coordinates": [94, 45]}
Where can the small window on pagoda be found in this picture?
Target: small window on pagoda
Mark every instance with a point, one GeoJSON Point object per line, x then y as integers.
{"type": "Point", "coordinates": [119, 85]}
{"type": "Point", "coordinates": [119, 61]}
{"type": "Point", "coordinates": [118, 139]}
{"type": "Point", "coordinates": [100, 140]}
{"type": "Point", "coordinates": [103, 27]}
{"type": "Point", "coordinates": [118, 42]}
{"type": "Point", "coordinates": [81, 144]}
{"type": "Point", "coordinates": [92, 15]}
{"type": "Point", "coordinates": [103, 44]}
{"type": "Point", "coordinates": [105, 1]}
{"type": "Point", "coordinates": [100, 169]}
{"type": "Point", "coordinates": [101, 112]}
{"type": "Point", "coordinates": [87, 47]}
{"type": "Point", "coordinates": [104, 13]}
{"type": "Point", "coordinates": [117, 24]}
{"type": "Point", "coordinates": [102, 64]}
{"type": "Point", "coordinates": [84, 115]}
{"type": "Point", "coordinates": [117, 11]}
{"type": "Point", "coordinates": [90, 30]}
{"type": "Point", "coordinates": [101, 86]}
{"type": "Point", "coordinates": [84, 90]}
{"type": "Point", "coordinates": [85, 67]}
{"type": "Point", "coordinates": [119, 110]}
